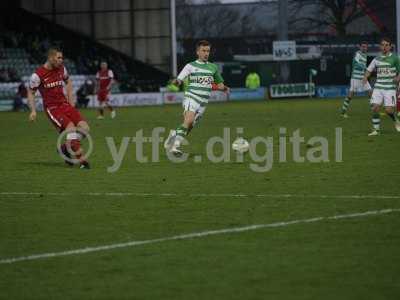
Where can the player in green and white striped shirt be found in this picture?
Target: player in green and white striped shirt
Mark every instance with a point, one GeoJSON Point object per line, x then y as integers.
{"type": "Point", "coordinates": [202, 76]}
{"type": "Point", "coordinates": [359, 66]}
{"type": "Point", "coordinates": [387, 66]}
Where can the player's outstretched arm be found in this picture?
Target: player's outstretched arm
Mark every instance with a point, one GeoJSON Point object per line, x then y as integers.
{"type": "Point", "coordinates": [223, 87]}
{"type": "Point", "coordinates": [186, 71]}
{"type": "Point", "coordinates": [177, 82]}
{"type": "Point", "coordinates": [31, 103]}
{"type": "Point", "coordinates": [70, 92]}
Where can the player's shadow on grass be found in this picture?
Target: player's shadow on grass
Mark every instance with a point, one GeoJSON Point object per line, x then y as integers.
{"type": "Point", "coordinates": [204, 159]}
{"type": "Point", "coordinates": [192, 155]}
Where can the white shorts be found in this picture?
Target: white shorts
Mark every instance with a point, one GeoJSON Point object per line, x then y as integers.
{"type": "Point", "coordinates": [385, 97]}
{"type": "Point", "coordinates": [194, 106]}
{"type": "Point", "coordinates": [356, 85]}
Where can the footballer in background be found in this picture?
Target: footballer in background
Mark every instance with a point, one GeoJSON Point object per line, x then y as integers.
{"type": "Point", "coordinates": [203, 77]}
{"type": "Point", "coordinates": [359, 66]}
{"type": "Point", "coordinates": [387, 66]}
{"type": "Point", "coordinates": [104, 82]}
{"type": "Point", "coordinates": [50, 79]}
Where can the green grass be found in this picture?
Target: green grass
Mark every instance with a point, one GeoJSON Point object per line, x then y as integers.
{"type": "Point", "coordinates": [355, 258]}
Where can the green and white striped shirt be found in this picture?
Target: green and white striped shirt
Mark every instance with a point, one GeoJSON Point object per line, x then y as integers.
{"type": "Point", "coordinates": [359, 65]}
{"type": "Point", "coordinates": [201, 75]}
{"type": "Point", "coordinates": [387, 67]}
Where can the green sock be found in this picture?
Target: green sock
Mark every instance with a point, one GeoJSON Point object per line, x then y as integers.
{"type": "Point", "coordinates": [345, 105]}
{"type": "Point", "coordinates": [181, 130]}
{"type": "Point", "coordinates": [376, 120]}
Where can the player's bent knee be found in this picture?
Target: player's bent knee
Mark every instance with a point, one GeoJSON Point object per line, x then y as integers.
{"type": "Point", "coordinates": [189, 117]}
{"type": "Point", "coordinates": [375, 108]}
{"type": "Point", "coordinates": [84, 126]}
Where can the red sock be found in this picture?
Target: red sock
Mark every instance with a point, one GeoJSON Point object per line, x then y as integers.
{"type": "Point", "coordinates": [76, 147]}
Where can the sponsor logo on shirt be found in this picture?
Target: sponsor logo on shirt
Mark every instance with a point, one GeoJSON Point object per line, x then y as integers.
{"type": "Point", "coordinates": [53, 84]}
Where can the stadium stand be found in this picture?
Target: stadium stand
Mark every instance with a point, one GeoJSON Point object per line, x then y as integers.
{"type": "Point", "coordinates": [23, 49]}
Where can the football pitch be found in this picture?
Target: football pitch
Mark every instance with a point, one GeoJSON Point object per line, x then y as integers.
{"type": "Point", "coordinates": [203, 230]}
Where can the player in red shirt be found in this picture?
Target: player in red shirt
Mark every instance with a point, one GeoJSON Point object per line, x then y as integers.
{"type": "Point", "coordinates": [49, 79]}
{"type": "Point", "coordinates": [105, 80]}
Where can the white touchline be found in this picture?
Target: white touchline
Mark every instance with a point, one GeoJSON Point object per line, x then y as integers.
{"type": "Point", "coordinates": [194, 235]}
{"type": "Point", "coordinates": [222, 195]}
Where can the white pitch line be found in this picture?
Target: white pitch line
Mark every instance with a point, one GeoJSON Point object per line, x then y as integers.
{"type": "Point", "coordinates": [216, 195]}
{"type": "Point", "coordinates": [194, 235]}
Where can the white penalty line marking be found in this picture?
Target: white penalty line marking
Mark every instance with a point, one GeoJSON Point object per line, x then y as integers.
{"type": "Point", "coordinates": [194, 235]}
{"type": "Point", "coordinates": [127, 194]}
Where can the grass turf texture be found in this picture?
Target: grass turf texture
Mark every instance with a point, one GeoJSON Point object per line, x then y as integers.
{"type": "Point", "coordinates": [343, 259]}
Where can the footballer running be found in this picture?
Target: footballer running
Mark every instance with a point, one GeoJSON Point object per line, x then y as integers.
{"type": "Point", "coordinates": [203, 77]}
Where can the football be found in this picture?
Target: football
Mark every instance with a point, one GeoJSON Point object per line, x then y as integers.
{"type": "Point", "coordinates": [240, 145]}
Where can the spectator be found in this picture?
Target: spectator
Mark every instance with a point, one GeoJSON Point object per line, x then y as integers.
{"type": "Point", "coordinates": [253, 81]}
{"type": "Point", "coordinates": [19, 96]}
{"type": "Point", "coordinates": [83, 93]}
{"type": "Point", "coordinates": [21, 90]}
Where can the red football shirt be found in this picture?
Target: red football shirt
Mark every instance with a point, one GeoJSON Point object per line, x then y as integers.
{"type": "Point", "coordinates": [50, 84]}
{"type": "Point", "coordinates": [104, 77]}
